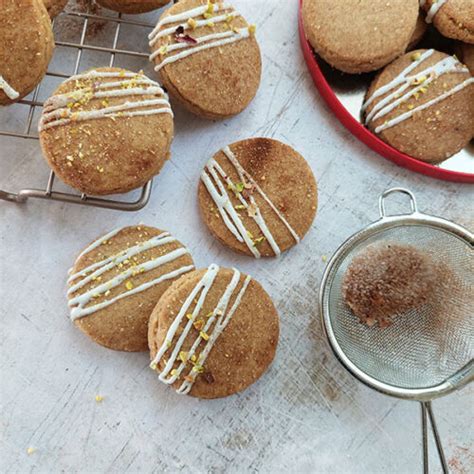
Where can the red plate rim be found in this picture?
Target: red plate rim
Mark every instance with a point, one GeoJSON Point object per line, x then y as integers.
{"type": "Point", "coordinates": [362, 133]}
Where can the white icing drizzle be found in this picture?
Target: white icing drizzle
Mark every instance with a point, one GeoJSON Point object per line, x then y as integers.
{"type": "Point", "coordinates": [424, 106]}
{"type": "Point", "coordinates": [242, 34]}
{"type": "Point", "coordinates": [396, 88]}
{"type": "Point", "coordinates": [229, 215]}
{"type": "Point", "coordinates": [78, 304]}
{"type": "Point", "coordinates": [199, 39]}
{"type": "Point", "coordinates": [184, 17]}
{"type": "Point", "coordinates": [220, 318]}
{"type": "Point", "coordinates": [99, 242]}
{"type": "Point", "coordinates": [434, 9]}
{"type": "Point", "coordinates": [57, 110]}
{"type": "Point", "coordinates": [8, 89]}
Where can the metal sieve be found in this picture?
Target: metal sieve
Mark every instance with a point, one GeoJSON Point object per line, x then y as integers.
{"type": "Point", "coordinates": [427, 352]}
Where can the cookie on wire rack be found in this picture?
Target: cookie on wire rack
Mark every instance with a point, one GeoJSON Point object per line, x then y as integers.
{"type": "Point", "coordinates": [207, 57]}
{"type": "Point", "coordinates": [107, 130]}
{"type": "Point", "coordinates": [26, 47]}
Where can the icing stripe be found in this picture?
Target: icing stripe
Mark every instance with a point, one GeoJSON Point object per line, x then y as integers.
{"type": "Point", "coordinates": [107, 112]}
{"type": "Point", "coordinates": [199, 24]}
{"type": "Point", "coordinates": [99, 242]}
{"type": "Point", "coordinates": [242, 34]}
{"type": "Point", "coordinates": [59, 110]}
{"type": "Point", "coordinates": [188, 384]}
{"type": "Point", "coordinates": [233, 159]}
{"type": "Point", "coordinates": [101, 267]}
{"type": "Point", "coordinates": [227, 211]}
{"type": "Point", "coordinates": [94, 272]}
{"type": "Point", "coordinates": [199, 40]}
{"type": "Point", "coordinates": [434, 9]}
{"type": "Point", "coordinates": [396, 88]}
{"type": "Point", "coordinates": [8, 89]}
{"type": "Point", "coordinates": [184, 16]}
{"type": "Point", "coordinates": [424, 106]}
{"type": "Point", "coordinates": [219, 318]}
{"type": "Point", "coordinates": [58, 101]}
{"type": "Point", "coordinates": [76, 314]}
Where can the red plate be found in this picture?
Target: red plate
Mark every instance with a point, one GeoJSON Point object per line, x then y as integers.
{"type": "Point", "coordinates": [362, 133]}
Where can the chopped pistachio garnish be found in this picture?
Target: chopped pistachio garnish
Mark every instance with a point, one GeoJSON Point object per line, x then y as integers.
{"type": "Point", "coordinates": [192, 23]}
{"type": "Point", "coordinates": [174, 372]}
{"type": "Point", "coordinates": [183, 356]}
{"type": "Point", "coordinates": [252, 29]}
{"type": "Point", "coordinates": [30, 450]}
{"type": "Point", "coordinates": [189, 316]}
{"type": "Point", "coordinates": [415, 56]}
{"type": "Point", "coordinates": [129, 285]}
{"type": "Point", "coordinates": [258, 241]}
{"type": "Point", "coordinates": [99, 398]}
{"type": "Point", "coordinates": [204, 335]}
{"type": "Point", "coordinates": [240, 207]}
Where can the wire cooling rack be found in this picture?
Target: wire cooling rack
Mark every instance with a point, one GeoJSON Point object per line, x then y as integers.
{"type": "Point", "coordinates": [32, 103]}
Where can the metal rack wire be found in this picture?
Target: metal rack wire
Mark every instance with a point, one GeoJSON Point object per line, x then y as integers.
{"type": "Point", "coordinates": [48, 193]}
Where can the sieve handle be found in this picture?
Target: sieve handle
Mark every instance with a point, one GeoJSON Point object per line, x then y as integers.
{"type": "Point", "coordinates": [383, 212]}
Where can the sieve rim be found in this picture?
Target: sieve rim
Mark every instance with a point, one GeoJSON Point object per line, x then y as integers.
{"type": "Point", "coordinates": [415, 218]}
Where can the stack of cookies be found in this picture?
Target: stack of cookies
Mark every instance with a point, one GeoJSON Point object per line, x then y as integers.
{"type": "Point", "coordinates": [421, 102]}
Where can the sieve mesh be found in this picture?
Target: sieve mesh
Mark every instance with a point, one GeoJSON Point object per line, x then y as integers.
{"type": "Point", "coordinates": [425, 346]}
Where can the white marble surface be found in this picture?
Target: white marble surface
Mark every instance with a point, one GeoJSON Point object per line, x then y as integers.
{"type": "Point", "coordinates": [306, 414]}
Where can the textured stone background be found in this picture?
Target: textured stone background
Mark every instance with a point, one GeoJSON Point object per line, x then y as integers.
{"type": "Point", "coordinates": [306, 414]}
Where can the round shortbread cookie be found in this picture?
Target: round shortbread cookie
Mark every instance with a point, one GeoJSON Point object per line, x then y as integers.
{"type": "Point", "coordinates": [213, 333]}
{"type": "Point", "coordinates": [207, 57]}
{"type": "Point", "coordinates": [452, 18]}
{"type": "Point", "coordinates": [258, 197]}
{"type": "Point", "coordinates": [26, 47]}
{"type": "Point", "coordinates": [117, 280]}
{"type": "Point", "coordinates": [423, 105]}
{"type": "Point", "coordinates": [358, 36]}
{"type": "Point", "coordinates": [132, 6]}
{"type": "Point", "coordinates": [54, 7]}
{"type": "Point", "coordinates": [107, 130]}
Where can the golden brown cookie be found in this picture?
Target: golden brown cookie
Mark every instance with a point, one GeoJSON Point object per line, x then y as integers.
{"type": "Point", "coordinates": [117, 280]}
{"type": "Point", "coordinates": [466, 55]}
{"type": "Point", "coordinates": [357, 36]}
{"type": "Point", "coordinates": [107, 130]}
{"type": "Point", "coordinates": [420, 29]}
{"type": "Point", "coordinates": [213, 333]}
{"type": "Point", "coordinates": [385, 280]}
{"type": "Point", "coordinates": [423, 105]}
{"type": "Point", "coordinates": [207, 57]}
{"type": "Point", "coordinates": [26, 47]}
{"type": "Point", "coordinates": [54, 7]}
{"type": "Point", "coordinates": [132, 6]}
{"type": "Point", "coordinates": [452, 18]}
{"type": "Point", "coordinates": [258, 197]}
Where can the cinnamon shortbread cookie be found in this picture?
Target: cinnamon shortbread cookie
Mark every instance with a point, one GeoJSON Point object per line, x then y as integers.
{"type": "Point", "coordinates": [423, 105]}
{"type": "Point", "coordinates": [26, 47]}
{"type": "Point", "coordinates": [117, 280]}
{"type": "Point", "coordinates": [258, 197]}
{"type": "Point", "coordinates": [207, 57]}
{"type": "Point", "coordinates": [213, 333]}
{"type": "Point", "coordinates": [107, 130]}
